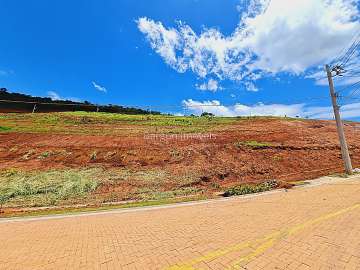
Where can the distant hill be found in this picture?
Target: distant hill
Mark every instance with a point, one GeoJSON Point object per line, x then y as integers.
{"type": "Point", "coordinates": [16, 102]}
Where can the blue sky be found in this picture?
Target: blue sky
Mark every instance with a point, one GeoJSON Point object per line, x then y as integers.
{"type": "Point", "coordinates": [115, 51]}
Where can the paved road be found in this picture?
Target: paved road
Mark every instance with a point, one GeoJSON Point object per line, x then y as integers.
{"type": "Point", "coordinates": [307, 228]}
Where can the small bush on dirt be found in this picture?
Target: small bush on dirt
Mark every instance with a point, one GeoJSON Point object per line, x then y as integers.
{"type": "Point", "coordinates": [249, 189]}
{"type": "Point", "coordinates": [44, 155]}
{"type": "Point", "coordinates": [93, 156]}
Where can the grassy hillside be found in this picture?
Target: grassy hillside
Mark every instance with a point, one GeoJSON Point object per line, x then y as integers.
{"type": "Point", "coordinates": [106, 123]}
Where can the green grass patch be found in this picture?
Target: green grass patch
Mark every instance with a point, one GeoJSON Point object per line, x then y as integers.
{"type": "Point", "coordinates": [250, 188]}
{"type": "Point", "coordinates": [45, 155]}
{"type": "Point", "coordinates": [108, 123]}
{"type": "Point", "coordinates": [253, 144]}
{"type": "Point", "coordinates": [45, 188]}
{"type": "Point", "coordinates": [2, 129]}
{"type": "Point", "coordinates": [77, 186]}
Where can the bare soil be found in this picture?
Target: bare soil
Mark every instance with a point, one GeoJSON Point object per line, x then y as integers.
{"type": "Point", "coordinates": [290, 150]}
{"type": "Point", "coordinates": [296, 149]}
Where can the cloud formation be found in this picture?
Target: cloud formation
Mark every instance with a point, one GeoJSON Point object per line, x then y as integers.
{"type": "Point", "coordinates": [211, 85]}
{"type": "Point", "coordinates": [292, 110]}
{"type": "Point", "coordinates": [55, 96]}
{"type": "Point", "coordinates": [99, 87]}
{"type": "Point", "coordinates": [271, 37]}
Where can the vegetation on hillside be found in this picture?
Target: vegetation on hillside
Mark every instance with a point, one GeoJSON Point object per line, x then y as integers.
{"type": "Point", "coordinates": [108, 123]}
{"type": "Point", "coordinates": [77, 186]}
{"type": "Point", "coordinates": [58, 105]}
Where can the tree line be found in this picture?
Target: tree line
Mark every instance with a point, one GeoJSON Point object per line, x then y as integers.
{"type": "Point", "coordinates": [22, 104]}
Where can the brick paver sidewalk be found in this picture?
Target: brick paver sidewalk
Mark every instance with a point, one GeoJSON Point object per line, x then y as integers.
{"type": "Point", "coordinates": [306, 228]}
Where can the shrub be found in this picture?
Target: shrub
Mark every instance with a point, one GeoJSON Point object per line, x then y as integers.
{"type": "Point", "coordinates": [207, 114]}
{"type": "Point", "coordinates": [93, 156]}
{"type": "Point", "coordinates": [44, 155]}
{"type": "Point", "coordinates": [249, 188]}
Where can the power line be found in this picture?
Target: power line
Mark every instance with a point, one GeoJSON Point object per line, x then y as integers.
{"type": "Point", "coordinates": [356, 100]}
{"type": "Point", "coordinates": [354, 93]}
{"type": "Point", "coordinates": [344, 53]}
{"type": "Point", "coordinates": [348, 87]}
{"type": "Point", "coordinates": [350, 52]}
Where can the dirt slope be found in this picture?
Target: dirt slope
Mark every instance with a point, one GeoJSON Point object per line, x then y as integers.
{"type": "Point", "coordinates": [282, 149]}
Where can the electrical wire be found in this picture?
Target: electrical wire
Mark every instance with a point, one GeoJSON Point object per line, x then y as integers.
{"type": "Point", "coordinates": [351, 51]}
{"type": "Point", "coordinates": [344, 52]}
{"type": "Point", "coordinates": [341, 90]}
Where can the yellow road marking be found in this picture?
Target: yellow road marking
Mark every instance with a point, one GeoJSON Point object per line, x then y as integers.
{"type": "Point", "coordinates": [210, 256]}
{"type": "Point", "coordinates": [259, 246]}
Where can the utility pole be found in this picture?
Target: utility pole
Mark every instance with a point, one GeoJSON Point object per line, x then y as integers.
{"type": "Point", "coordinates": [340, 129]}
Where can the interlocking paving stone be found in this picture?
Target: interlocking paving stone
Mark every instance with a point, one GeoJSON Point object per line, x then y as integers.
{"type": "Point", "coordinates": [307, 228]}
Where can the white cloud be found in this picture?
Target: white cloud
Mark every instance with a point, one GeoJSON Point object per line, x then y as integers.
{"type": "Point", "coordinates": [272, 36]}
{"type": "Point", "coordinates": [99, 87]}
{"type": "Point", "coordinates": [211, 85]}
{"type": "Point", "coordinates": [207, 54]}
{"type": "Point", "coordinates": [299, 34]}
{"type": "Point", "coordinates": [163, 41]}
{"type": "Point", "coordinates": [292, 110]}
{"type": "Point", "coordinates": [53, 95]}
{"type": "Point", "coordinates": [261, 109]}
{"type": "Point", "coordinates": [250, 86]}
{"type": "Point", "coordinates": [214, 107]}
{"type": "Point", "coordinates": [320, 78]}
{"type": "Point", "coordinates": [348, 111]}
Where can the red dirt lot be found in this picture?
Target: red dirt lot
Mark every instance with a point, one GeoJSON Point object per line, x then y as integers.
{"type": "Point", "coordinates": [144, 161]}
{"type": "Point", "coordinates": [292, 150]}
